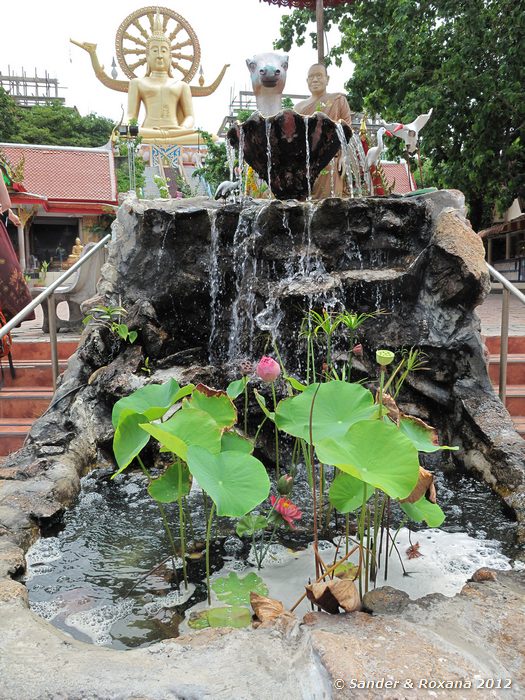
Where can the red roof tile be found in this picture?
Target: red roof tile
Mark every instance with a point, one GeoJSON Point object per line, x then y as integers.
{"type": "Point", "coordinates": [396, 174]}
{"type": "Point", "coordinates": [66, 173]}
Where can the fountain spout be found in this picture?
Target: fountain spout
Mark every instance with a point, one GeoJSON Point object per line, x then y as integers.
{"type": "Point", "coordinates": [288, 150]}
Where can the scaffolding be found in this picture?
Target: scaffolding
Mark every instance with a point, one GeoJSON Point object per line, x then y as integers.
{"type": "Point", "coordinates": [30, 91]}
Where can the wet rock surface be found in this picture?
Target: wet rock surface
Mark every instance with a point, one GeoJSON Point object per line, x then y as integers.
{"type": "Point", "coordinates": [472, 638]}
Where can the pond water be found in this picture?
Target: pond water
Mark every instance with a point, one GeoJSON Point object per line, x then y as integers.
{"type": "Point", "coordinates": [89, 578]}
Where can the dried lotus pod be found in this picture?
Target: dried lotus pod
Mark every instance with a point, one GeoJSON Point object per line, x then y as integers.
{"type": "Point", "coordinates": [334, 594]}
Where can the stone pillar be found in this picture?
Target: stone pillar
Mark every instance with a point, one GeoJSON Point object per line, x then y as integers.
{"type": "Point", "coordinates": [81, 229]}
{"type": "Point", "coordinates": [21, 247]}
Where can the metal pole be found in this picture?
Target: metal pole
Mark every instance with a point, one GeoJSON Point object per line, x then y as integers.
{"type": "Point", "coordinates": [51, 311]}
{"type": "Point", "coordinates": [319, 16]}
{"type": "Point", "coordinates": [504, 347]}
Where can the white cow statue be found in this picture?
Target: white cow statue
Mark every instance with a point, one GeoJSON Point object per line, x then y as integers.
{"type": "Point", "coordinates": [268, 74]}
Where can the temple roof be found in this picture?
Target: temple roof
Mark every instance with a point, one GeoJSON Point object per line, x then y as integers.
{"type": "Point", "coordinates": [397, 175]}
{"type": "Point", "coordinates": [65, 174]}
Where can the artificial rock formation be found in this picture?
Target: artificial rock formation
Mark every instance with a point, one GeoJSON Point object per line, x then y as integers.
{"type": "Point", "coordinates": [205, 286]}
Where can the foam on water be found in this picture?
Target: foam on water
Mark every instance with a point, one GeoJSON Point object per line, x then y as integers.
{"type": "Point", "coordinates": [171, 600]}
{"type": "Point", "coordinates": [97, 622]}
{"type": "Point", "coordinates": [47, 609]}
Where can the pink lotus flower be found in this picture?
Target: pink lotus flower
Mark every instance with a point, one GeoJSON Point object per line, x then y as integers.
{"type": "Point", "coordinates": [358, 350]}
{"type": "Point", "coordinates": [268, 369]}
{"type": "Point", "coordinates": [286, 509]}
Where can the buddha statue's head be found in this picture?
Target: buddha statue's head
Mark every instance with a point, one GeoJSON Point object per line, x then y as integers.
{"type": "Point", "coordinates": [158, 49]}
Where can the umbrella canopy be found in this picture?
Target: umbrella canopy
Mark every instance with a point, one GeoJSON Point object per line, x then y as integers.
{"type": "Point", "coordinates": [318, 6]}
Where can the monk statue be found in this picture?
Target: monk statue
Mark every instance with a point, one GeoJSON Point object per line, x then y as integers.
{"type": "Point", "coordinates": [163, 42]}
{"type": "Point", "coordinates": [76, 252]}
{"type": "Point", "coordinates": [331, 182]}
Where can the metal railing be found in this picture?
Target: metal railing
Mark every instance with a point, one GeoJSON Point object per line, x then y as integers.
{"type": "Point", "coordinates": [49, 295]}
{"type": "Point", "coordinates": [508, 289]}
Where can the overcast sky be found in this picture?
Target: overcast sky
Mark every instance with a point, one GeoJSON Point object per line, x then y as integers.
{"type": "Point", "coordinates": [35, 34]}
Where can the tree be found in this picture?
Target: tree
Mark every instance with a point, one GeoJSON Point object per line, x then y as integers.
{"type": "Point", "coordinates": [464, 59]}
{"type": "Point", "coordinates": [52, 124]}
{"type": "Point", "coordinates": [215, 169]}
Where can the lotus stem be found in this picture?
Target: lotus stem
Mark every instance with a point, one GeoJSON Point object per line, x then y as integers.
{"type": "Point", "coordinates": [314, 493]}
{"type": "Point", "coordinates": [182, 527]}
{"type": "Point", "coordinates": [208, 533]}
{"type": "Point", "coordinates": [387, 535]}
{"type": "Point", "coordinates": [166, 525]}
{"type": "Point", "coordinates": [246, 408]}
{"type": "Point", "coordinates": [276, 434]}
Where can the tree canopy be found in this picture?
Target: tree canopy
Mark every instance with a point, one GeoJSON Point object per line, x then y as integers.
{"type": "Point", "coordinates": [52, 124]}
{"type": "Point", "coordinates": [464, 59]}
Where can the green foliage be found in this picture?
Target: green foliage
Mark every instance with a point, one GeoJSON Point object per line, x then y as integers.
{"type": "Point", "coordinates": [464, 59]}
{"type": "Point", "coordinates": [110, 317]}
{"type": "Point", "coordinates": [9, 112]}
{"type": "Point", "coordinates": [122, 174]}
{"type": "Point", "coordinates": [248, 525]}
{"type": "Point", "coordinates": [421, 510]}
{"type": "Point", "coordinates": [163, 186]}
{"type": "Point", "coordinates": [53, 124]}
{"type": "Point", "coordinates": [172, 485]}
{"type": "Point", "coordinates": [346, 493]}
{"type": "Point", "coordinates": [234, 590]}
{"type": "Point", "coordinates": [215, 169]}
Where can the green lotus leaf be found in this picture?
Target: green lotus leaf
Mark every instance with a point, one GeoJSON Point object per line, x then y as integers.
{"type": "Point", "coordinates": [421, 435]}
{"type": "Point", "coordinates": [236, 482]}
{"type": "Point", "coordinates": [172, 485]}
{"type": "Point", "coordinates": [187, 427]}
{"type": "Point", "coordinates": [220, 407]}
{"type": "Point", "coordinates": [346, 492]}
{"type": "Point", "coordinates": [235, 389]}
{"type": "Point", "coordinates": [249, 524]}
{"type": "Point", "coordinates": [337, 406]}
{"type": "Point", "coordinates": [231, 616]}
{"type": "Point", "coordinates": [234, 590]}
{"type": "Point", "coordinates": [152, 400]}
{"type": "Point", "coordinates": [375, 452]}
{"type": "Point", "coordinates": [421, 510]}
{"type": "Point", "coordinates": [129, 439]}
{"type": "Point", "coordinates": [231, 440]}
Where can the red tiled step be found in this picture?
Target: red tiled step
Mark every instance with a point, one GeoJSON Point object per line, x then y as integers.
{"type": "Point", "coordinates": [33, 373]}
{"type": "Point", "coordinates": [516, 344]}
{"type": "Point", "coordinates": [519, 424]}
{"type": "Point", "coordinates": [13, 432]}
{"type": "Point", "coordinates": [515, 369]}
{"type": "Point", "coordinates": [28, 350]}
{"type": "Point", "coordinates": [24, 402]}
{"type": "Point", "coordinates": [515, 402]}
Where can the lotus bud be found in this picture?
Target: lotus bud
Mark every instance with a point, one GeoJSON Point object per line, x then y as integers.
{"type": "Point", "coordinates": [285, 485]}
{"type": "Point", "coordinates": [384, 357]}
{"type": "Point", "coordinates": [357, 350]}
{"type": "Point", "coordinates": [268, 369]}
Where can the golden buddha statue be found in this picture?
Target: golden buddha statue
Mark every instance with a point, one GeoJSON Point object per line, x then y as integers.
{"type": "Point", "coordinates": [76, 252]}
{"type": "Point", "coordinates": [161, 40]}
{"type": "Point", "coordinates": [168, 103]}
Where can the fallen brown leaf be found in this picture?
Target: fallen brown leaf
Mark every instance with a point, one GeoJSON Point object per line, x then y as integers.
{"type": "Point", "coordinates": [334, 594]}
{"type": "Point", "coordinates": [266, 609]}
{"type": "Point", "coordinates": [425, 485]}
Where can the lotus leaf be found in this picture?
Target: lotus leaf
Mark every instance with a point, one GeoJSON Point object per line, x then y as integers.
{"type": "Point", "coordinates": [337, 406]}
{"type": "Point", "coordinates": [234, 590]}
{"type": "Point", "coordinates": [431, 513]}
{"type": "Point", "coordinates": [375, 452]}
{"type": "Point", "coordinates": [172, 485]}
{"type": "Point", "coordinates": [231, 440]}
{"type": "Point", "coordinates": [229, 616]}
{"type": "Point", "coordinates": [346, 492]}
{"type": "Point", "coordinates": [421, 434]}
{"type": "Point", "coordinates": [185, 428]}
{"type": "Point", "coordinates": [129, 439]}
{"type": "Point", "coordinates": [152, 400]}
{"type": "Point", "coordinates": [236, 388]}
{"type": "Point", "coordinates": [262, 403]}
{"type": "Point", "coordinates": [219, 406]}
{"type": "Point", "coordinates": [250, 524]}
{"type": "Point", "coordinates": [235, 481]}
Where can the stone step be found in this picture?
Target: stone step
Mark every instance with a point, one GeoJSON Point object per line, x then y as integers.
{"type": "Point", "coordinates": [40, 349]}
{"type": "Point", "coordinates": [515, 369]}
{"type": "Point", "coordinates": [13, 432]}
{"type": "Point", "coordinates": [32, 373]}
{"type": "Point", "coordinates": [24, 402]}
{"type": "Point", "coordinates": [516, 344]}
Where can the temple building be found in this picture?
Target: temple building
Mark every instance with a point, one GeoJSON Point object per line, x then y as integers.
{"type": "Point", "coordinates": [65, 193]}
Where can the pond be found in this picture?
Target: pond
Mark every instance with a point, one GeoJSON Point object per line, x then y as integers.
{"type": "Point", "coordinates": [89, 577]}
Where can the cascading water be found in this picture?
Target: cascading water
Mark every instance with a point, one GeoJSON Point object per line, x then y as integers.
{"type": "Point", "coordinates": [214, 285]}
{"type": "Point", "coordinates": [267, 128]}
